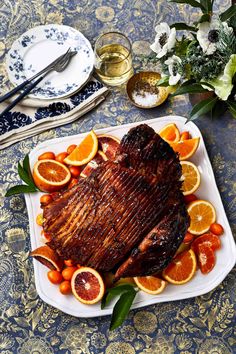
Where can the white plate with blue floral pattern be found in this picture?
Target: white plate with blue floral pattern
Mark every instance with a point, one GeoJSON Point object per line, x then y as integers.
{"type": "Point", "coordinates": [199, 285]}
{"type": "Point", "coordinates": [38, 47]}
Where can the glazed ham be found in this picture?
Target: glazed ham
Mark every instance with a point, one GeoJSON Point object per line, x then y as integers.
{"type": "Point", "coordinates": [128, 216]}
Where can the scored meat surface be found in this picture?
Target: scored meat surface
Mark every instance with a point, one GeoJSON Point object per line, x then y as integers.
{"type": "Point", "coordinates": [129, 215]}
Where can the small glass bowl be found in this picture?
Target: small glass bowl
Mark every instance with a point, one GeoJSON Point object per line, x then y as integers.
{"type": "Point", "coordinates": [143, 92]}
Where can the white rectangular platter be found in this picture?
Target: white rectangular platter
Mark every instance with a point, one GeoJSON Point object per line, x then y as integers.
{"type": "Point", "coordinates": [199, 285]}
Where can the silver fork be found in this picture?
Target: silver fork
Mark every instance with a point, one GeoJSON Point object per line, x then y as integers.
{"type": "Point", "coordinates": [59, 67]}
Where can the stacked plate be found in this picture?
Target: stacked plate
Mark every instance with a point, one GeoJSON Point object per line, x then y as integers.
{"type": "Point", "coordinates": [38, 47]}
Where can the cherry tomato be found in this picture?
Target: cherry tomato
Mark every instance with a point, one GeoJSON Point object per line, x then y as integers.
{"type": "Point", "coordinates": [68, 263]}
{"type": "Point", "coordinates": [73, 182]}
{"type": "Point", "coordinates": [55, 277]}
{"type": "Point", "coordinates": [39, 219]}
{"type": "Point", "coordinates": [216, 229]}
{"type": "Point", "coordinates": [71, 148]}
{"type": "Point", "coordinates": [65, 287]}
{"type": "Point", "coordinates": [45, 200]}
{"type": "Point", "coordinates": [190, 198]}
{"type": "Point", "coordinates": [47, 156]}
{"type": "Point", "coordinates": [185, 136]}
{"type": "Point", "coordinates": [188, 238]}
{"type": "Point", "coordinates": [60, 157]}
{"type": "Point", "coordinates": [68, 272]}
{"type": "Point", "coordinates": [75, 171]}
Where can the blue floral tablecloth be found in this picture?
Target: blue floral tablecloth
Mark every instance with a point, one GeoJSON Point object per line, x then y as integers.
{"type": "Point", "coordinates": [205, 324]}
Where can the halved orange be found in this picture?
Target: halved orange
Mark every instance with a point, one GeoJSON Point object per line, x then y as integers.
{"type": "Point", "coordinates": [190, 176]}
{"type": "Point", "coordinates": [87, 285]}
{"type": "Point", "coordinates": [185, 148]}
{"type": "Point", "coordinates": [84, 152]}
{"type": "Point", "coordinates": [202, 214]}
{"type": "Point", "coordinates": [181, 269]}
{"type": "Point", "coordinates": [93, 164]}
{"type": "Point", "coordinates": [48, 257]}
{"type": "Point", "coordinates": [170, 133]}
{"type": "Point", "coordinates": [109, 145]}
{"type": "Point", "coordinates": [150, 284]}
{"type": "Point", "coordinates": [50, 175]}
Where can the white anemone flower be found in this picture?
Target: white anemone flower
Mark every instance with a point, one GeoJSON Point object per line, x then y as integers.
{"type": "Point", "coordinates": [208, 36]}
{"type": "Point", "coordinates": [164, 40]}
{"type": "Point", "coordinates": [173, 66]}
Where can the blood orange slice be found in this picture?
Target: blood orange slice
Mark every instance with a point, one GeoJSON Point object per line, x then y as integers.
{"type": "Point", "coordinates": [84, 152]}
{"type": "Point", "coordinates": [150, 284]}
{"type": "Point", "coordinates": [87, 285]}
{"type": "Point", "coordinates": [170, 133]}
{"type": "Point", "coordinates": [48, 257]}
{"type": "Point", "coordinates": [93, 164]}
{"type": "Point", "coordinates": [109, 145]}
{"type": "Point", "coordinates": [185, 148]}
{"type": "Point", "coordinates": [50, 175]}
{"type": "Point", "coordinates": [206, 258]}
{"type": "Point", "coordinates": [210, 240]}
{"type": "Point", "coordinates": [181, 269]}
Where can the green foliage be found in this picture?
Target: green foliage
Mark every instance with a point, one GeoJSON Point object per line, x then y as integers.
{"type": "Point", "coordinates": [229, 13]}
{"type": "Point", "coordinates": [202, 108]}
{"type": "Point", "coordinates": [121, 309]}
{"type": "Point", "coordinates": [182, 26]}
{"type": "Point", "coordinates": [193, 88]}
{"type": "Point", "coordinates": [232, 108]}
{"type": "Point", "coordinates": [26, 176]}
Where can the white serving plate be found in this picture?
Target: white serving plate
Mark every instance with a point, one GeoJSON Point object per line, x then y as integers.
{"type": "Point", "coordinates": [199, 285]}
{"type": "Point", "coordinates": [38, 47]}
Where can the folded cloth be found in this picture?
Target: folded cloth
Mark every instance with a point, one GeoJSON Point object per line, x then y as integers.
{"type": "Point", "coordinates": [33, 116]}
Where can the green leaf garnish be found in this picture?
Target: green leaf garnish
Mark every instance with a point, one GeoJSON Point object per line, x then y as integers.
{"type": "Point", "coordinates": [121, 308]}
{"type": "Point", "coordinates": [26, 166]}
{"type": "Point", "coordinates": [181, 26]}
{"type": "Point", "coordinates": [113, 292]}
{"type": "Point", "coordinates": [26, 176]}
{"type": "Point", "coordinates": [23, 188]}
{"type": "Point", "coordinates": [202, 108]}
{"type": "Point", "coordinates": [230, 12]}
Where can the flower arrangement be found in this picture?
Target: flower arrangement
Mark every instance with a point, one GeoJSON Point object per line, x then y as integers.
{"type": "Point", "coordinates": [202, 61]}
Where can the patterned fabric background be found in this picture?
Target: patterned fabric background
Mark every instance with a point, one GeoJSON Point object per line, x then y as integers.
{"type": "Point", "coordinates": [28, 325]}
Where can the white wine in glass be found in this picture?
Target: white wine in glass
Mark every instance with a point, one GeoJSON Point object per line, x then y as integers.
{"type": "Point", "coordinates": [113, 58]}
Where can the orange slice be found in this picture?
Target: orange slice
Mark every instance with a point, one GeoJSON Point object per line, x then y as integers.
{"type": "Point", "coordinates": [93, 164]}
{"type": "Point", "coordinates": [170, 133]}
{"type": "Point", "coordinates": [48, 257]}
{"type": "Point", "coordinates": [150, 284]}
{"type": "Point", "coordinates": [84, 152]}
{"type": "Point", "coordinates": [206, 258]}
{"type": "Point", "coordinates": [185, 148]}
{"type": "Point", "coordinates": [109, 145]}
{"type": "Point", "coordinates": [190, 176]}
{"type": "Point", "coordinates": [181, 269]}
{"type": "Point", "coordinates": [87, 285]}
{"type": "Point", "coordinates": [50, 175]}
{"type": "Point", "coordinates": [202, 214]}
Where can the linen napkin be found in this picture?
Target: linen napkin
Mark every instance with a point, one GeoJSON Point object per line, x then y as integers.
{"type": "Point", "coordinates": [33, 116]}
